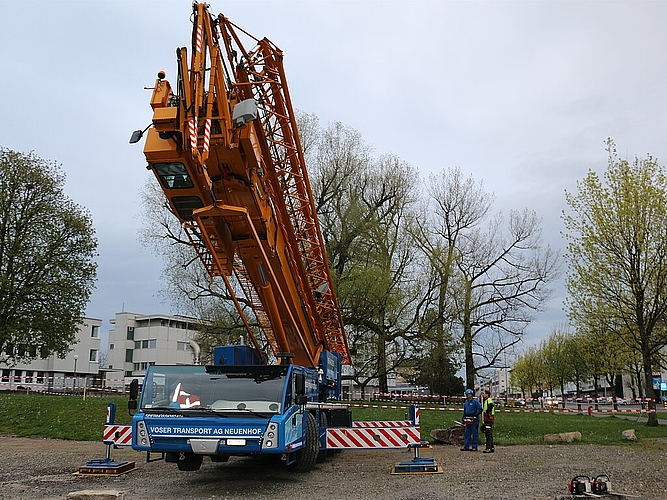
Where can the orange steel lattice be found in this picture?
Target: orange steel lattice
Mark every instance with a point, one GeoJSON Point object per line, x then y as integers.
{"type": "Point", "coordinates": [240, 186]}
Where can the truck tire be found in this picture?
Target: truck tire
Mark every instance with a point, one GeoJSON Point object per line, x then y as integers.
{"type": "Point", "coordinates": [307, 456]}
{"type": "Point", "coordinates": [189, 461]}
{"type": "Point", "coordinates": [324, 422]}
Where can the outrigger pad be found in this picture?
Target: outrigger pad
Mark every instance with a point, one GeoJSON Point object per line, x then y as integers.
{"type": "Point", "coordinates": [417, 465]}
{"type": "Point", "coordinates": [106, 467]}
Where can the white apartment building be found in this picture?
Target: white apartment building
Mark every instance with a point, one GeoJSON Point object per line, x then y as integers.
{"type": "Point", "coordinates": [137, 341]}
{"type": "Point", "coordinates": [78, 369]}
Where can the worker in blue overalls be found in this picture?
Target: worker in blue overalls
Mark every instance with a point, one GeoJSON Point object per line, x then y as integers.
{"type": "Point", "coordinates": [472, 408]}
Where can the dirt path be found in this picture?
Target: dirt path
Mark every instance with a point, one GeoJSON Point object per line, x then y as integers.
{"type": "Point", "coordinates": [43, 469]}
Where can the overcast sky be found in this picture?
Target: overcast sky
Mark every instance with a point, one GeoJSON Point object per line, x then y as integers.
{"type": "Point", "coordinates": [521, 95]}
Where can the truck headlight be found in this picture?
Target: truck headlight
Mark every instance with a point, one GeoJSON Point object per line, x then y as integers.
{"type": "Point", "coordinates": [269, 437]}
{"type": "Point", "coordinates": [143, 433]}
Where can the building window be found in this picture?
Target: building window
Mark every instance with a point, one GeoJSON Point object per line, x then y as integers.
{"type": "Point", "coordinates": [182, 346]}
{"type": "Point", "coordinates": [95, 333]}
{"type": "Point", "coordinates": [129, 355]}
{"type": "Point", "coordinates": [111, 347]}
{"type": "Point", "coordinates": [5, 375]}
{"type": "Point", "coordinates": [93, 355]}
{"type": "Point", "coordinates": [40, 377]}
{"type": "Point", "coordinates": [130, 333]}
{"type": "Point", "coordinates": [145, 344]}
{"type": "Point", "coordinates": [142, 366]}
{"type": "Point", "coordinates": [28, 377]}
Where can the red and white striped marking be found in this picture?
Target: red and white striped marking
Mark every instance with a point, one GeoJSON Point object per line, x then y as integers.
{"type": "Point", "coordinates": [120, 435]}
{"type": "Point", "coordinates": [199, 38]}
{"type": "Point", "coordinates": [372, 437]}
{"type": "Point", "coordinates": [207, 134]}
{"type": "Point", "coordinates": [192, 129]}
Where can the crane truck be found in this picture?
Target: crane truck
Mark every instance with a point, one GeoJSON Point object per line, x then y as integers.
{"type": "Point", "coordinates": [224, 147]}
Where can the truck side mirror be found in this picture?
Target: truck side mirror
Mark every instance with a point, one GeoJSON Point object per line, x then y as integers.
{"type": "Point", "coordinates": [300, 389]}
{"type": "Point", "coordinates": [299, 384]}
{"type": "Point", "coordinates": [134, 393]}
{"type": "Point", "coordinates": [134, 389]}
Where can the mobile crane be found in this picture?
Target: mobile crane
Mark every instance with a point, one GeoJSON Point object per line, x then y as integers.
{"type": "Point", "coordinates": [224, 147]}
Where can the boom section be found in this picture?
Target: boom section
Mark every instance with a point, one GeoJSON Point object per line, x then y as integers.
{"type": "Point", "coordinates": [225, 148]}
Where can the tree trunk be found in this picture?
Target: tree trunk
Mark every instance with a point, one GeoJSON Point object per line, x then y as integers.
{"type": "Point", "coordinates": [650, 392]}
{"type": "Point", "coordinates": [382, 365]}
{"type": "Point", "coordinates": [470, 364]}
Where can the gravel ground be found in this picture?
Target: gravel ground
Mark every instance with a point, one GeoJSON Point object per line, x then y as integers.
{"type": "Point", "coordinates": [44, 469]}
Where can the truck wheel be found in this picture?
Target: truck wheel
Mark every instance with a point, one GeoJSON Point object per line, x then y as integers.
{"type": "Point", "coordinates": [189, 461]}
{"type": "Point", "coordinates": [324, 422]}
{"type": "Point", "coordinates": [307, 456]}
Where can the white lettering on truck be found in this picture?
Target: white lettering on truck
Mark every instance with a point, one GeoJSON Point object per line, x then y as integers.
{"type": "Point", "coordinates": [207, 431]}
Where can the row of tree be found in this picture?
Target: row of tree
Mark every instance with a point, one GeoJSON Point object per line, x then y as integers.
{"type": "Point", "coordinates": [578, 358]}
{"type": "Point", "coordinates": [616, 231]}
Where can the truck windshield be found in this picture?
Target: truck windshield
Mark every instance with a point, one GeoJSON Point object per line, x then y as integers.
{"type": "Point", "coordinates": [233, 389]}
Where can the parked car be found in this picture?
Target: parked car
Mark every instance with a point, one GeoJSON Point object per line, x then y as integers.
{"type": "Point", "coordinates": [551, 402]}
{"type": "Point", "coordinates": [516, 402]}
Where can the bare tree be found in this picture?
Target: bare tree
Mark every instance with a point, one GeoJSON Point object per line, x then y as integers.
{"type": "Point", "coordinates": [503, 280]}
{"type": "Point", "coordinates": [490, 279]}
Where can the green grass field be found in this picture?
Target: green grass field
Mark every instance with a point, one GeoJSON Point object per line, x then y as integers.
{"type": "Point", "coordinates": [529, 428]}
{"type": "Point", "coordinates": [72, 418]}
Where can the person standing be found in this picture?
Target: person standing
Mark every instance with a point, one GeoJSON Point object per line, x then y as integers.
{"type": "Point", "coordinates": [488, 419]}
{"type": "Point", "coordinates": [471, 411]}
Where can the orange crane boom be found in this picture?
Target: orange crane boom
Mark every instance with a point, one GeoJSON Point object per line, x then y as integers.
{"type": "Point", "coordinates": [225, 148]}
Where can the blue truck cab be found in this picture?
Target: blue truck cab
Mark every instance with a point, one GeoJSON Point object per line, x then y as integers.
{"type": "Point", "coordinates": [238, 406]}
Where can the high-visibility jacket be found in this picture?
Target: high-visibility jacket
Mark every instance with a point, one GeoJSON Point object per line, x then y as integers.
{"type": "Point", "coordinates": [488, 411]}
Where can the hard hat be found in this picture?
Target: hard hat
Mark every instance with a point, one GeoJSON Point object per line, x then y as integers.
{"type": "Point", "coordinates": [468, 391]}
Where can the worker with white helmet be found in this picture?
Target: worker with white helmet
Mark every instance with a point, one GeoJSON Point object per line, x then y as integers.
{"type": "Point", "coordinates": [472, 408]}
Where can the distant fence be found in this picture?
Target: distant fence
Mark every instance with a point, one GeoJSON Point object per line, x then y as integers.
{"type": "Point", "coordinates": [69, 384]}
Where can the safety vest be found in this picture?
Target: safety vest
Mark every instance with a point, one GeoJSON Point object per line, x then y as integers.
{"type": "Point", "coordinates": [488, 416]}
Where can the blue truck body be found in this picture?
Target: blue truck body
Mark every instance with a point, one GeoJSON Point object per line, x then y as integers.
{"type": "Point", "coordinates": [238, 406]}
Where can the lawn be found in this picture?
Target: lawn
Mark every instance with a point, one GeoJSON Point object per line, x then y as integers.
{"type": "Point", "coordinates": [70, 417]}
{"type": "Point", "coordinates": [59, 417]}
{"type": "Point", "coordinates": [529, 428]}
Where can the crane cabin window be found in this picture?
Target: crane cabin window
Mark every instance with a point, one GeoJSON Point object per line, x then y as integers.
{"type": "Point", "coordinates": [184, 205]}
{"type": "Point", "coordinates": [173, 175]}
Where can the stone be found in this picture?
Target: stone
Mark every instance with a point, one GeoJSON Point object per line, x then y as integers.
{"type": "Point", "coordinates": [563, 437]}
{"type": "Point", "coordinates": [452, 435]}
{"type": "Point", "coordinates": [96, 495]}
{"type": "Point", "coordinates": [629, 435]}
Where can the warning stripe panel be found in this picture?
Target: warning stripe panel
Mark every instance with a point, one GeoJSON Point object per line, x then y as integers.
{"type": "Point", "coordinates": [371, 437]}
{"type": "Point", "coordinates": [120, 435]}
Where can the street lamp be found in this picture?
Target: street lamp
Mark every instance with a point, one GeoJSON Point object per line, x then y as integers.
{"type": "Point", "coordinates": [507, 388]}
{"type": "Point", "coordinates": [76, 358]}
